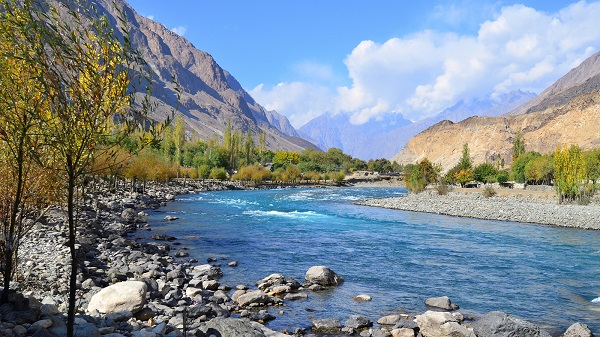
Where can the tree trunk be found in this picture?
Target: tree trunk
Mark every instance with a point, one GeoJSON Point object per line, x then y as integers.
{"type": "Point", "coordinates": [74, 262]}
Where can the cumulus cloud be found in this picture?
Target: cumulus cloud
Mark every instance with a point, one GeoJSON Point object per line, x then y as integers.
{"type": "Point", "coordinates": [299, 101]}
{"type": "Point", "coordinates": [422, 74]}
{"type": "Point", "coordinates": [179, 30]}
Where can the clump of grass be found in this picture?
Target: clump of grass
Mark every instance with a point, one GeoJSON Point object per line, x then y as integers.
{"type": "Point", "coordinates": [489, 192]}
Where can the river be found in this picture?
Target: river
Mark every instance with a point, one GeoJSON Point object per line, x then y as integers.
{"type": "Point", "coordinates": [548, 275]}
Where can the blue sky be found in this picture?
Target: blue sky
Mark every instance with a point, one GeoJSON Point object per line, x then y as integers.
{"type": "Point", "coordinates": [305, 58]}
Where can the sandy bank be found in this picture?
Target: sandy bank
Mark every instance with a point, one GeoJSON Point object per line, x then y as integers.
{"type": "Point", "coordinates": [531, 208]}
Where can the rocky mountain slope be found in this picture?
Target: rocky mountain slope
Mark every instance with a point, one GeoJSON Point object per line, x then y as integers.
{"type": "Point", "coordinates": [384, 138]}
{"type": "Point", "coordinates": [568, 112]}
{"type": "Point", "coordinates": [209, 95]}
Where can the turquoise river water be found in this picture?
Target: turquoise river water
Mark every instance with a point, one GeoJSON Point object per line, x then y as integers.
{"type": "Point", "coordinates": [549, 275]}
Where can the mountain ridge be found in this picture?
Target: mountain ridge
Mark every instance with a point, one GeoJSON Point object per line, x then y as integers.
{"type": "Point", "coordinates": [567, 112]}
{"type": "Point", "coordinates": [378, 140]}
{"type": "Point", "coordinates": [209, 96]}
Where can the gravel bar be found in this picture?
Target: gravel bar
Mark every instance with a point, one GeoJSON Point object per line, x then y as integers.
{"type": "Point", "coordinates": [503, 208]}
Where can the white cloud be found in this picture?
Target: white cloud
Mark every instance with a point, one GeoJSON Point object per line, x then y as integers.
{"type": "Point", "coordinates": [421, 74]}
{"type": "Point", "coordinates": [179, 30]}
{"type": "Point", "coordinates": [300, 102]}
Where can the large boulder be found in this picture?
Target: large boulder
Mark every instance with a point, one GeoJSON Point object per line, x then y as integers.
{"type": "Point", "coordinates": [322, 275]}
{"type": "Point", "coordinates": [122, 296]}
{"type": "Point", "coordinates": [499, 324]}
{"type": "Point", "coordinates": [441, 324]}
{"type": "Point", "coordinates": [578, 330]}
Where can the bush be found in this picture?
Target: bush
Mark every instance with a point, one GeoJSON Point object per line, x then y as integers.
{"type": "Point", "coordinates": [502, 177]}
{"type": "Point", "coordinates": [218, 173]}
{"type": "Point", "coordinates": [488, 192]}
{"type": "Point", "coordinates": [443, 189]}
{"type": "Point", "coordinates": [485, 173]}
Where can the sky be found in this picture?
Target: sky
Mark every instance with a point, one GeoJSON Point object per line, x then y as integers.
{"type": "Point", "coordinates": [369, 58]}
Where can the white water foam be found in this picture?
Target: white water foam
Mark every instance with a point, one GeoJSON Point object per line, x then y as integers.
{"type": "Point", "coordinates": [596, 300]}
{"type": "Point", "coordinates": [293, 214]}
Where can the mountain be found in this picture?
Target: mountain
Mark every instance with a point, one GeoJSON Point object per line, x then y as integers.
{"type": "Point", "coordinates": [209, 96]}
{"type": "Point", "coordinates": [568, 112]}
{"type": "Point", "coordinates": [329, 131]}
{"type": "Point", "coordinates": [384, 138]}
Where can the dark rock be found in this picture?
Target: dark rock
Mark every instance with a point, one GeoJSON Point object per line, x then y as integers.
{"type": "Point", "coordinates": [163, 238]}
{"type": "Point", "coordinates": [326, 325]}
{"type": "Point", "coordinates": [23, 316]}
{"type": "Point", "coordinates": [199, 310]}
{"type": "Point", "coordinates": [358, 322]}
{"type": "Point", "coordinates": [499, 324]}
{"type": "Point", "coordinates": [230, 327]}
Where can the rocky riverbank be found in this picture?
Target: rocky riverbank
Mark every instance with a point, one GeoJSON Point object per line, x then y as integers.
{"type": "Point", "coordinates": [132, 288]}
{"type": "Point", "coordinates": [515, 208]}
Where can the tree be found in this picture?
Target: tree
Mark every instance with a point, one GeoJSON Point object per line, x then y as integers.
{"type": "Point", "coordinates": [569, 172]}
{"type": "Point", "coordinates": [540, 169]}
{"type": "Point", "coordinates": [464, 176]}
{"type": "Point", "coordinates": [517, 168]}
{"type": "Point", "coordinates": [25, 188]}
{"type": "Point", "coordinates": [90, 74]}
{"type": "Point", "coordinates": [465, 160]}
{"type": "Point", "coordinates": [485, 172]}
{"type": "Point", "coordinates": [248, 147]}
{"type": "Point", "coordinates": [262, 142]}
{"type": "Point", "coordinates": [518, 146]}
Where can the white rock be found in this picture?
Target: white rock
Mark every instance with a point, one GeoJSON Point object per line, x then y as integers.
{"type": "Point", "coordinates": [122, 296]}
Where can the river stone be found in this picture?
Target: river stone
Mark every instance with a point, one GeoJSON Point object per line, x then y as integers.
{"type": "Point", "coordinates": [443, 303]}
{"type": "Point", "coordinates": [358, 322]}
{"type": "Point", "coordinates": [231, 327]}
{"type": "Point", "coordinates": [442, 324]}
{"type": "Point", "coordinates": [122, 296]}
{"type": "Point", "coordinates": [389, 320]}
{"type": "Point", "coordinates": [362, 298]}
{"type": "Point", "coordinates": [499, 324]}
{"type": "Point", "coordinates": [323, 276]}
{"type": "Point", "coordinates": [326, 325]}
{"type": "Point", "coordinates": [295, 296]}
{"type": "Point", "coordinates": [403, 332]}
{"type": "Point", "coordinates": [254, 297]}
{"type": "Point", "coordinates": [578, 330]}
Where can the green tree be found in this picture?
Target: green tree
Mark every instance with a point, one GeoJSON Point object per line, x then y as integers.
{"type": "Point", "coordinates": [518, 146]}
{"type": "Point", "coordinates": [485, 173]}
{"type": "Point", "coordinates": [517, 168]}
{"type": "Point", "coordinates": [540, 169]}
{"type": "Point", "coordinates": [248, 147]}
{"type": "Point", "coordinates": [465, 160]}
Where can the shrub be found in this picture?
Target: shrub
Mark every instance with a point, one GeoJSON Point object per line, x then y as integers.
{"type": "Point", "coordinates": [443, 189]}
{"type": "Point", "coordinates": [502, 177]}
{"type": "Point", "coordinates": [488, 192]}
{"type": "Point", "coordinates": [218, 173]}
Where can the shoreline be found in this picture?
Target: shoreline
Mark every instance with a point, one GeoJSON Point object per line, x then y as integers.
{"type": "Point", "coordinates": [518, 207]}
